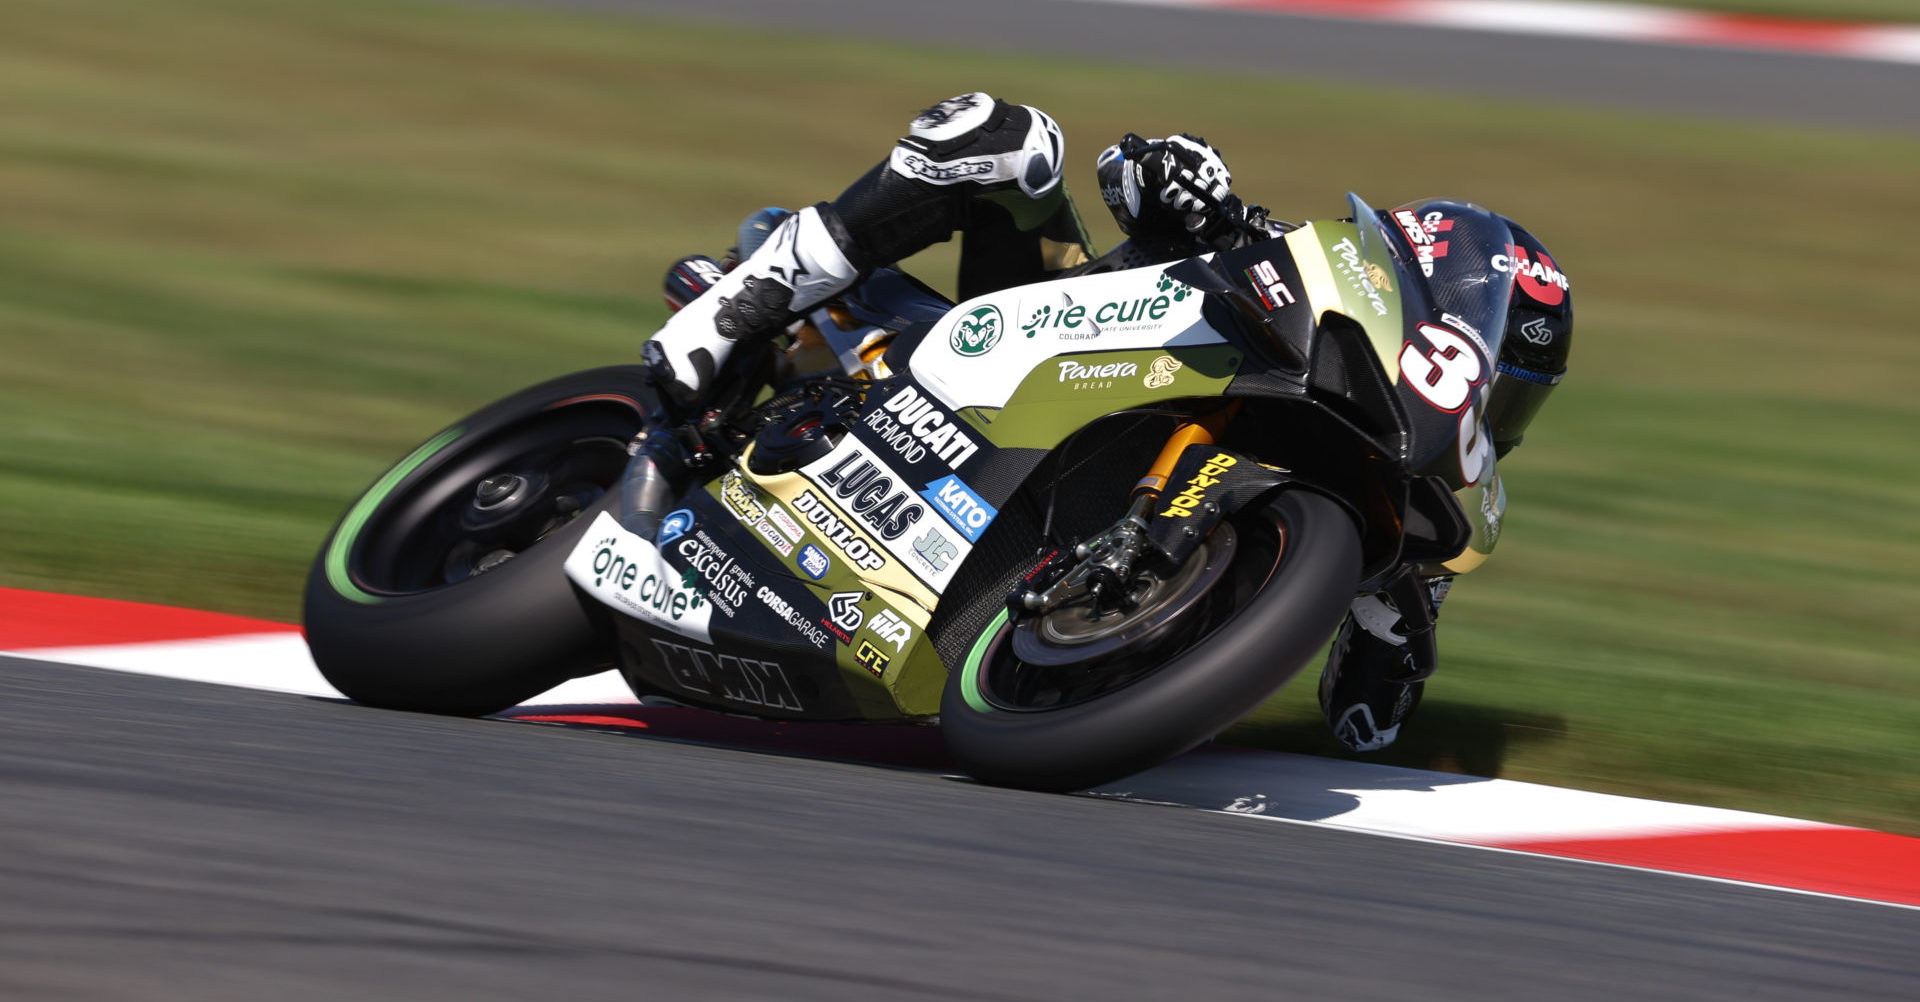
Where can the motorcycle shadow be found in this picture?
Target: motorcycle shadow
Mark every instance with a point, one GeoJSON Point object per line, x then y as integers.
{"type": "Point", "coordinates": [1297, 771]}
{"type": "Point", "coordinates": [898, 746]}
{"type": "Point", "coordinates": [1440, 736]}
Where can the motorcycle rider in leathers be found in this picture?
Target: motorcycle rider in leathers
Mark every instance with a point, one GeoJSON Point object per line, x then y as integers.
{"type": "Point", "coordinates": [991, 171]}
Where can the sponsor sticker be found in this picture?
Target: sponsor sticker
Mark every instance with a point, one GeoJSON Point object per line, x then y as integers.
{"type": "Point", "coordinates": [814, 562]}
{"type": "Point", "coordinates": [1267, 283]}
{"type": "Point", "coordinates": [949, 171]}
{"type": "Point", "coordinates": [862, 483]}
{"type": "Point", "coordinates": [739, 498]}
{"type": "Point", "coordinates": [783, 521]}
{"type": "Point", "coordinates": [674, 526]}
{"type": "Point", "coordinates": [1095, 377]}
{"type": "Point", "coordinates": [858, 550]}
{"type": "Point", "coordinates": [1421, 232]}
{"type": "Point", "coordinates": [1540, 280]}
{"type": "Point", "coordinates": [773, 537]}
{"type": "Point", "coordinates": [978, 331]}
{"type": "Point", "coordinates": [960, 506]}
{"type": "Point", "coordinates": [844, 615]}
{"type": "Point", "coordinates": [1354, 270]}
{"type": "Point", "coordinates": [1069, 322]}
{"type": "Point", "coordinates": [872, 659]}
{"type": "Point", "coordinates": [935, 550]}
{"type": "Point", "coordinates": [624, 571]}
{"type": "Point", "coordinates": [727, 583]}
{"type": "Point", "coordinates": [1160, 373]}
{"type": "Point", "coordinates": [703, 671]}
{"type": "Point", "coordinates": [800, 621]}
{"type": "Point", "coordinates": [1194, 492]}
{"type": "Point", "coordinates": [914, 426]}
{"type": "Point", "coordinates": [888, 626]}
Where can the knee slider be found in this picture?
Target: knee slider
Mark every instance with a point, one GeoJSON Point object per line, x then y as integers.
{"type": "Point", "coordinates": [976, 139]}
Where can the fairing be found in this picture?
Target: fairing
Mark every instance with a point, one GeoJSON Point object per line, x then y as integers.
{"type": "Point", "coordinates": [807, 593]}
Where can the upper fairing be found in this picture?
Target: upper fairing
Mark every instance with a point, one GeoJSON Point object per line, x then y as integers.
{"type": "Point", "coordinates": [1438, 362]}
{"type": "Point", "coordinates": [985, 348]}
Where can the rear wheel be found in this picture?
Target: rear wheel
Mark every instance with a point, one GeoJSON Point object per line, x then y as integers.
{"type": "Point", "coordinates": [441, 589]}
{"type": "Point", "coordinates": [1076, 698]}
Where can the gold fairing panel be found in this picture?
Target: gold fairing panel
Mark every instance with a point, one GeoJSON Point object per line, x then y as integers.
{"type": "Point", "coordinates": [1485, 505]}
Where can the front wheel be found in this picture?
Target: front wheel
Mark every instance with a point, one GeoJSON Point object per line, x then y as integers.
{"type": "Point", "coordinates": [441, 590]}
{"type": "Point", "coordinates": [1207, 643]}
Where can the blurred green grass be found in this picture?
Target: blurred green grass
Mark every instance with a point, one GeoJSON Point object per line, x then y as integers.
{"type": "Point", "coordinates": [250, 252]}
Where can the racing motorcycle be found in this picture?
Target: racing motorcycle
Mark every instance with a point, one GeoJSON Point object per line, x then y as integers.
{"type": "Point", "coordinates": [1083, 525]}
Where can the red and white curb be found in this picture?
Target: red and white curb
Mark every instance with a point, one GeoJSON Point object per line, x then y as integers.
{"type": "Point", "coordinates": [1759, 849]}
{"type": "Point", "coordinates": [1606, 21]}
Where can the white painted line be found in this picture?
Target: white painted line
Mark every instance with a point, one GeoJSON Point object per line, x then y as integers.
{"type": "Point", "coordinates": [274, 662]}
{"type": "Point", "coordinates": [1483, 847]}
{"type": "Point", "coordinates": [1438, 805]}
{"type": "Point", "coordinates": [1620, 22]}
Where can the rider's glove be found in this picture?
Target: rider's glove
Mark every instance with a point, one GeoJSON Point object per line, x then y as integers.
{"type": "Point", "coordinates": [1165, 188]}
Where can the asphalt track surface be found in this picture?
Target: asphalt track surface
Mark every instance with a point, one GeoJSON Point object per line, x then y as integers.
{"type": "Point", "coordinates": [1534, 71]}
{"type": "Point", "coordinates": [173, 840]}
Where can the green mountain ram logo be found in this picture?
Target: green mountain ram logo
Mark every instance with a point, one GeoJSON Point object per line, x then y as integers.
{"type": "Point", "coordinates": [978, 331]}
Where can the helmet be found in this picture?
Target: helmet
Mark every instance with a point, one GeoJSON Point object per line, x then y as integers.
{"type": "Point", "coordinates": [1454, 244]}
{"type": "Point", "coordinates": [754, 231]}
{"type": "Point", "coordinates": [1539, 335]}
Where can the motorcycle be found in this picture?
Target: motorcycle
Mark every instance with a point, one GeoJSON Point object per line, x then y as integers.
{"type": "Point", "coordinates": [1082, 525]}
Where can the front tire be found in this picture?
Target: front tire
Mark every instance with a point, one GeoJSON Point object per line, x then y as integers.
{"type": "Point", "coordinates": [437, 594]}
{"type": "Point", "coordinates": [1300, 585]}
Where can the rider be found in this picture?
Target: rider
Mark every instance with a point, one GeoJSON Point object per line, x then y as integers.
{"type": "Point", "coordinates": [991, 171]}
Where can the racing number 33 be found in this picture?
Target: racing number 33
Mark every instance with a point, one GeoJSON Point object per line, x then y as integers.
{"type": "Point", "coordinates": [1445, 375]}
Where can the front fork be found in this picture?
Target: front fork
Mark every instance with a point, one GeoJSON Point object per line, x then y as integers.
{"type": "Point", "coordinates": [1102, 567]}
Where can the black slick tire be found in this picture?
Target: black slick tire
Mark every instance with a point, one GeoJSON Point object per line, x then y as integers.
{"type": "Point", "coordinates": [386, 638]}
{"type": "Point", "coordinates": [1197, 694]}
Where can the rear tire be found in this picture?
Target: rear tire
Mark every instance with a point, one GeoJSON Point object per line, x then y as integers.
{"type": "Point", "coordinates": [410, 607]}
{"type": "Point", "coordinates": [1302, 587]}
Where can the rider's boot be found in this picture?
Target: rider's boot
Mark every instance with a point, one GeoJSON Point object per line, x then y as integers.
{"type": "Point", "coordinates": [1362, 702]}
{"type": "Point", "coordinates": [807, 260]}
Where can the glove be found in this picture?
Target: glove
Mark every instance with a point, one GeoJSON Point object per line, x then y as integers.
{"type": "Point", "coordinates": [1157, 189]}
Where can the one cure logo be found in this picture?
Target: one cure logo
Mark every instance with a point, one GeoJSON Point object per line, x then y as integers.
{"type": "Point", "coordinates": [1137, 310]}
{"type": "Point", "coordinates": [658, 592]}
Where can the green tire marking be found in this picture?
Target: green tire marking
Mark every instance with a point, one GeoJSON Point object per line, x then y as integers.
{"type": "Point", "coordinates": [970, 673]}
{"type": "Point", "coordinates": [363, 509]}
